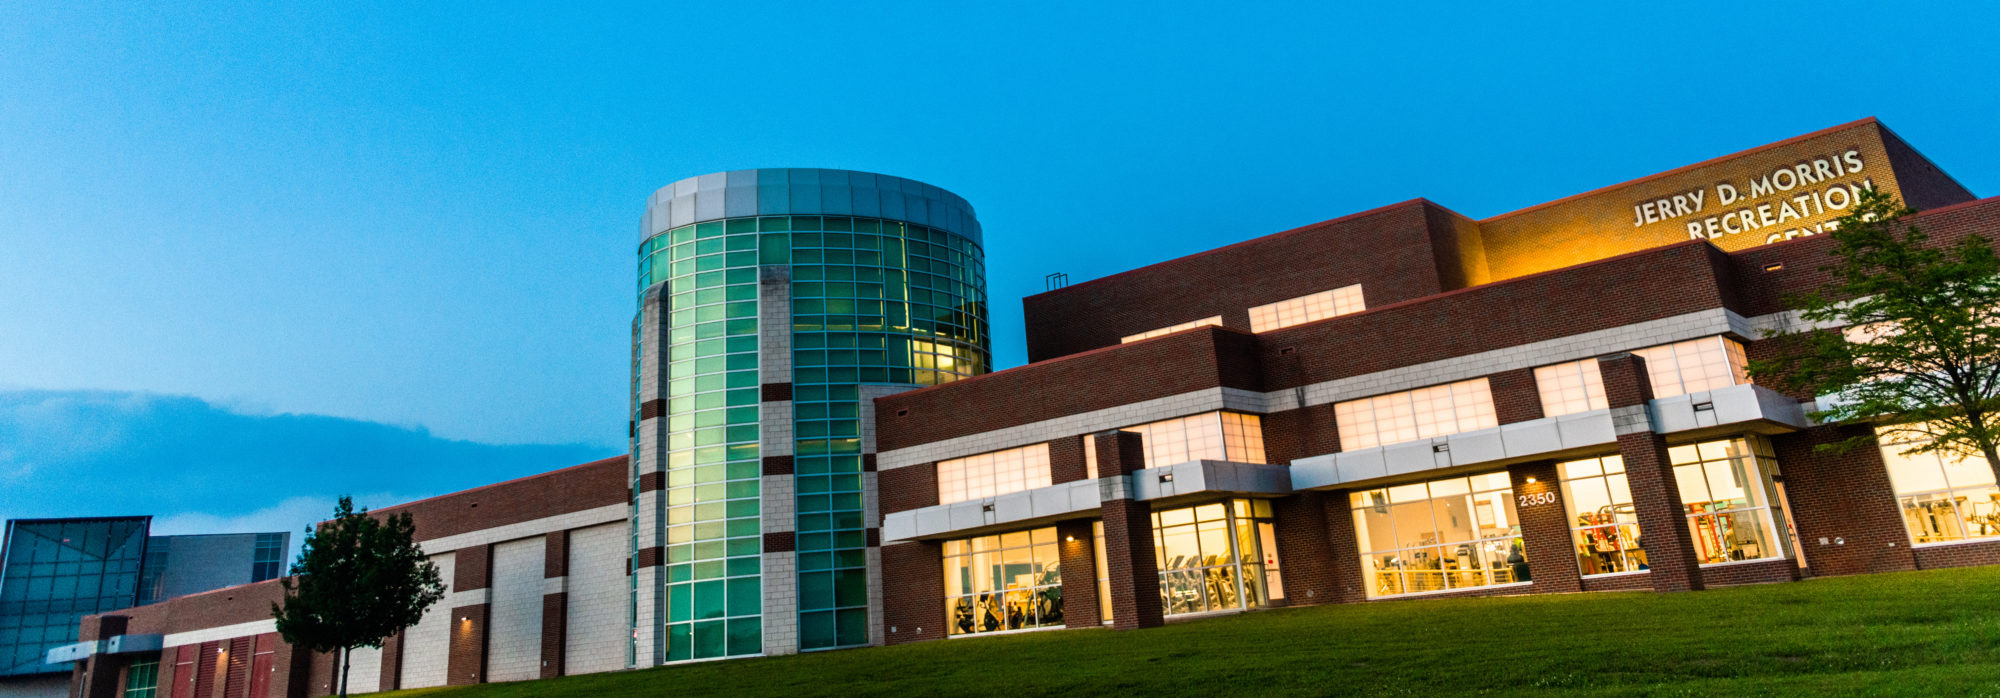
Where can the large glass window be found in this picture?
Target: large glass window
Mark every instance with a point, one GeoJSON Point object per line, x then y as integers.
{"type": "Point", "coordinates": [1149, 334]}
{"type": "Point", "coordinates": [1570, 388]}
{"type": "Point", "coordinates": [1213, 557]}
{"type": "Point", "coordinates": [1415, 414]}
{"type": "Point", "coordinates": [1944, 497]}
{"type": "Point", "coordinates": [56, 571]}
{"type": "Point", "coordinates": [1603, 524]}
{"type": "Point", "coordinates": [1454, 533]}
{"type": "Point", "coordinates": [993, 474]}
{"type": "Point", "coordinates": [1694, 366]}
{"type": "Point", "coordinates": [1728, 491]}
{"type": "Point", "coordinates": [1011, 581]}
{"type": "Point", "coordinates": [1304, 309]}
{"type": "Point", "coordinates": [268, 556]}
{"type": "Point", "coordinates": [1228, 436]}
{"type": "Point", "coordinates": [142, 679]}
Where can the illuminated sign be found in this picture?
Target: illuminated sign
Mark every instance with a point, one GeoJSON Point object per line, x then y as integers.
{"type": "Point", "coordinates": [1769, 203]}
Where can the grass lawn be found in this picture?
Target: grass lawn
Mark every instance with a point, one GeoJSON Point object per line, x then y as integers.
{"type": "Point", "coordinates": [1918, 633]}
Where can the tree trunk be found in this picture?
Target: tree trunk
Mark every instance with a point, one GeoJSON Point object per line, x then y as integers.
{"type": "Point", "coordinates": [346, 656]}
{"type": "Point", "coordinates": [1992, 456]}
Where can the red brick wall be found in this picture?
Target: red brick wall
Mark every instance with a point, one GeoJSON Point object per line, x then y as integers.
{"type": "Point", "coordinates": [472, 568]}
{"type": "Point", "coordinates": [392, 663]}
{"type": "Point", "coordinates": [1750, 573]}
{"type": "Point", "coordinates": [1545, 528]}
{"type": "Point", "coordinates": [465, 659]}
{"type": "Point", "coordinates": [1301, 433]}
{"type": "Point", "coordinates": [1386, 250]}
{"type": "Point", "coordinates": [1078, 556]}
{"type": "Point", "coordinates": [1131, 565]}
{"type": "Point", "coordinates": [1765, 292]}
{"type": "Point", "coordinates": [1846, 497]}
{"type": "Point", "coordinates": [1669, 551]}
{"type": "Point", "coordinates": [906, 488]}
{"type": "Point", "coordinates": [1066, 460]}
{"type": "Point", "coordinates": [1959, 555]}
{"type": "Point", "coordinates": [1163, 366]}
{"type": "Point", "coordinates": [572, 489]}
{"type": "Point", "coordinates": [1923, 185]}
{"type": "Point", "coordinates": [913, 592]}
{"type": "Point", "coordinates": [1515, 396]}
{"type": "Point", "coordinates": [555, 626]}
{"type": "Point", "coordinates": [1305, 558]}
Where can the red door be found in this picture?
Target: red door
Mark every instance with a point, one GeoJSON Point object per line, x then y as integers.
{"type": "Point", "coordinates": [260, 675]}
{"type": "Point", "coordinates": [184, 672]}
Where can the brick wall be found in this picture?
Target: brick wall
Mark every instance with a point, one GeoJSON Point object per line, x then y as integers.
{"type": "Point", "coordinates": [466, 658]}
{"type": "Point", "coordinates": [903, 489]}
{"type": "Point", "coordinates": [1293, 434]}
{"type": "Point", "coordinates": [1844, 498]}
{"type": "Point", "coordinates": [1305, 558]}
{"type": "Point", "coordinates": [1515, 396]}
{"type": "Point", "coordinates": [913, 592]}
{"type": "Point", "coordinates": [1386, 250]}
{"type": "Point", "coordinates": [1078, 557]}
{"type": "Point", "coordinates": [1545, 528]}
{"type": "Point", "coordinates": [1197, 359]}
{"type": "Point", "coordinates": [577, 488]}
{"type": "Point", "coordinates": [1959, 555]}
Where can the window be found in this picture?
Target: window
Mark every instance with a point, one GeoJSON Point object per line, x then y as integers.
{"type": "Point", "coordinates": [1454, 533]}
{"type": "Point", "coordinates": [1416, 414]}
{"type": "Point", "coordinates": [1216, 557]}
{"type": "Point", "coordinates": [1307, 309]}
{"type": "Point", "coordinates": [142, 679]}
{"type": "Point", "coordinates": [1694, 366]}
{"type": "Point", "coordinates": [1944, 497]}
{"type": "Point", "coordinates": [1604, 526]}
{"type": "Point", "coordinates": [993, 474]}
{"type": "Point", "coordinates": [268, 557]}
{"type": "Point", "coordinates": [1570, 388]}
{"type": "Point", "coordinates": [1011, 581]}
{"type": "Point", "coordinates": [1728, 492]}
{"type": "Point", "coordinates": [1304, 309]}
{"type": "Point", "coordinates": [1149, 334]}
{"type": "Point", "coordinates": [1230, 436]}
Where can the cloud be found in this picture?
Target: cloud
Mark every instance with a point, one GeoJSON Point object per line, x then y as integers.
{"type": "Point", "coordinates": [202, 468]}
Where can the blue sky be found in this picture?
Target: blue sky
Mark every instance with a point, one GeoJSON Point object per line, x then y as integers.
{"type": "Point", "coordinates": [255, 254]}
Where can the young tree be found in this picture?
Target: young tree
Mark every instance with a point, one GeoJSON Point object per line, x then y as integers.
{"type": "Point", "coordinates": [357, 581]}
{"type": "Point", "coordinates": [1920, 353]}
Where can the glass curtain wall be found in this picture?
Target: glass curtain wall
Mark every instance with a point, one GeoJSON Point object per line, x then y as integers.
{"type": "Point", "coordinates": [873, 301]}
{"type": "Point", "coordinates": [1216, 557]}
{"type": "Point", "coordinates": [1944, 498]}
{"type": "Point", "coordinates": [1011, 581]}
{"type": "Point", "coordinates": [57, 572]}
{"type": "Point", "coordinates": [1728, 490]}
{"type": "Point", "coordinates": [1603, 523]}
{"type": "Point", "coordinates": [1442, 535]}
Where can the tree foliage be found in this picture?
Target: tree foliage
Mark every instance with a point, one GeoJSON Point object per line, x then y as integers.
{"type": "Point", "coordinates": [1904, 334]}
{"type": "Point", "coordinates": [358, 580]}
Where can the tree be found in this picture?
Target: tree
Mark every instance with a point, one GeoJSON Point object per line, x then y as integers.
{"type": "Point", "coordinates": [1919, 355]}
{"type": "Point", "coordinates": [358, 580]}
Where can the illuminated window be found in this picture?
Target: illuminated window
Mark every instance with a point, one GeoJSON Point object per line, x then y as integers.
{"type": "Point", "coordinates": [1454, 533]}
{"type": "Point", "coordinates": [1944, 497]}
{"type": "Point", "coordinates": [1304, 309]}
{"type": "Point", "coordinates": [1011, 581]}
{"type": "Point", "coordinates": [1149, 334]}
{"type": "Point", "coordinates": [142, 679]}
{"type": "Point", "coordinates": [1570, 388]}
{"type": "Point", "coordinates": [1230, 436]}
{"type": "Point", "coordinates": [1103, 572]}
{"type": "Point", "coordinates": [1728, 490]}
{"type": "Point", "coordinates": [1694, 366]}
{"type": "Point", "coordinates": [1216, 557]}
{"type": "Point", "coordinates": [1415, 414]}
{"type": "Point", "coordinates": [1603, 525]}
{"type": "Point", "coordinates": [993, 474]}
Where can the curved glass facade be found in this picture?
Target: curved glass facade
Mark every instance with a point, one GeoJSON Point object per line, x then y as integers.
{"type": "Point", "coordinates": [872, 301]}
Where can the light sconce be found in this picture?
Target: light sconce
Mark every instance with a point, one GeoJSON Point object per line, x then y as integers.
{"type": "Point", "coordinates": [1531, 479]}
{"type": "Point", "coordinates": [1069, 539]}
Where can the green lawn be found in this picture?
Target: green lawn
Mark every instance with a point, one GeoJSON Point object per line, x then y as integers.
{"type": "Point", "coordinates": [1919, 633]}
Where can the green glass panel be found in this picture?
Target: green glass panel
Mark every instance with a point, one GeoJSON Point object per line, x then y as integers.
{"type": "Point", "coordinates": [680, 644]}
{"type": "Point", "coordinates": [816, 630]}
{"type": "Point", "coordinates": [746, 636]}
{"type": "Point", "coordinates": [709, 639]}
{"type": "Point", "coordinates": [774, 224]}
{"type": "Point", "coordinates": [743, 565]}
{"type": "Point", "coordinates": [746, 596]}
{"type": "Point", "coordinates": [853, 628]}
{"type": "Point", "coordinates": [708, 599]}
{"type": "Point", "coordinates": [708, 230]}
{"type": "Point", "coordinates": [678, 598]}
{"type": "Point", "coordinates": [741, 225]}
{"type": "Point", "coordinates": [816, 590]}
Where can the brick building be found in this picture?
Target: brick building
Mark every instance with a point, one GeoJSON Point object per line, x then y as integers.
{"type": "Point", "coordinates": [1400, 403]}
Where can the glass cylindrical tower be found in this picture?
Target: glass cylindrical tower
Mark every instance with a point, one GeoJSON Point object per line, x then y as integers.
{"type": "Point", "coordinates": [773, 304]}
